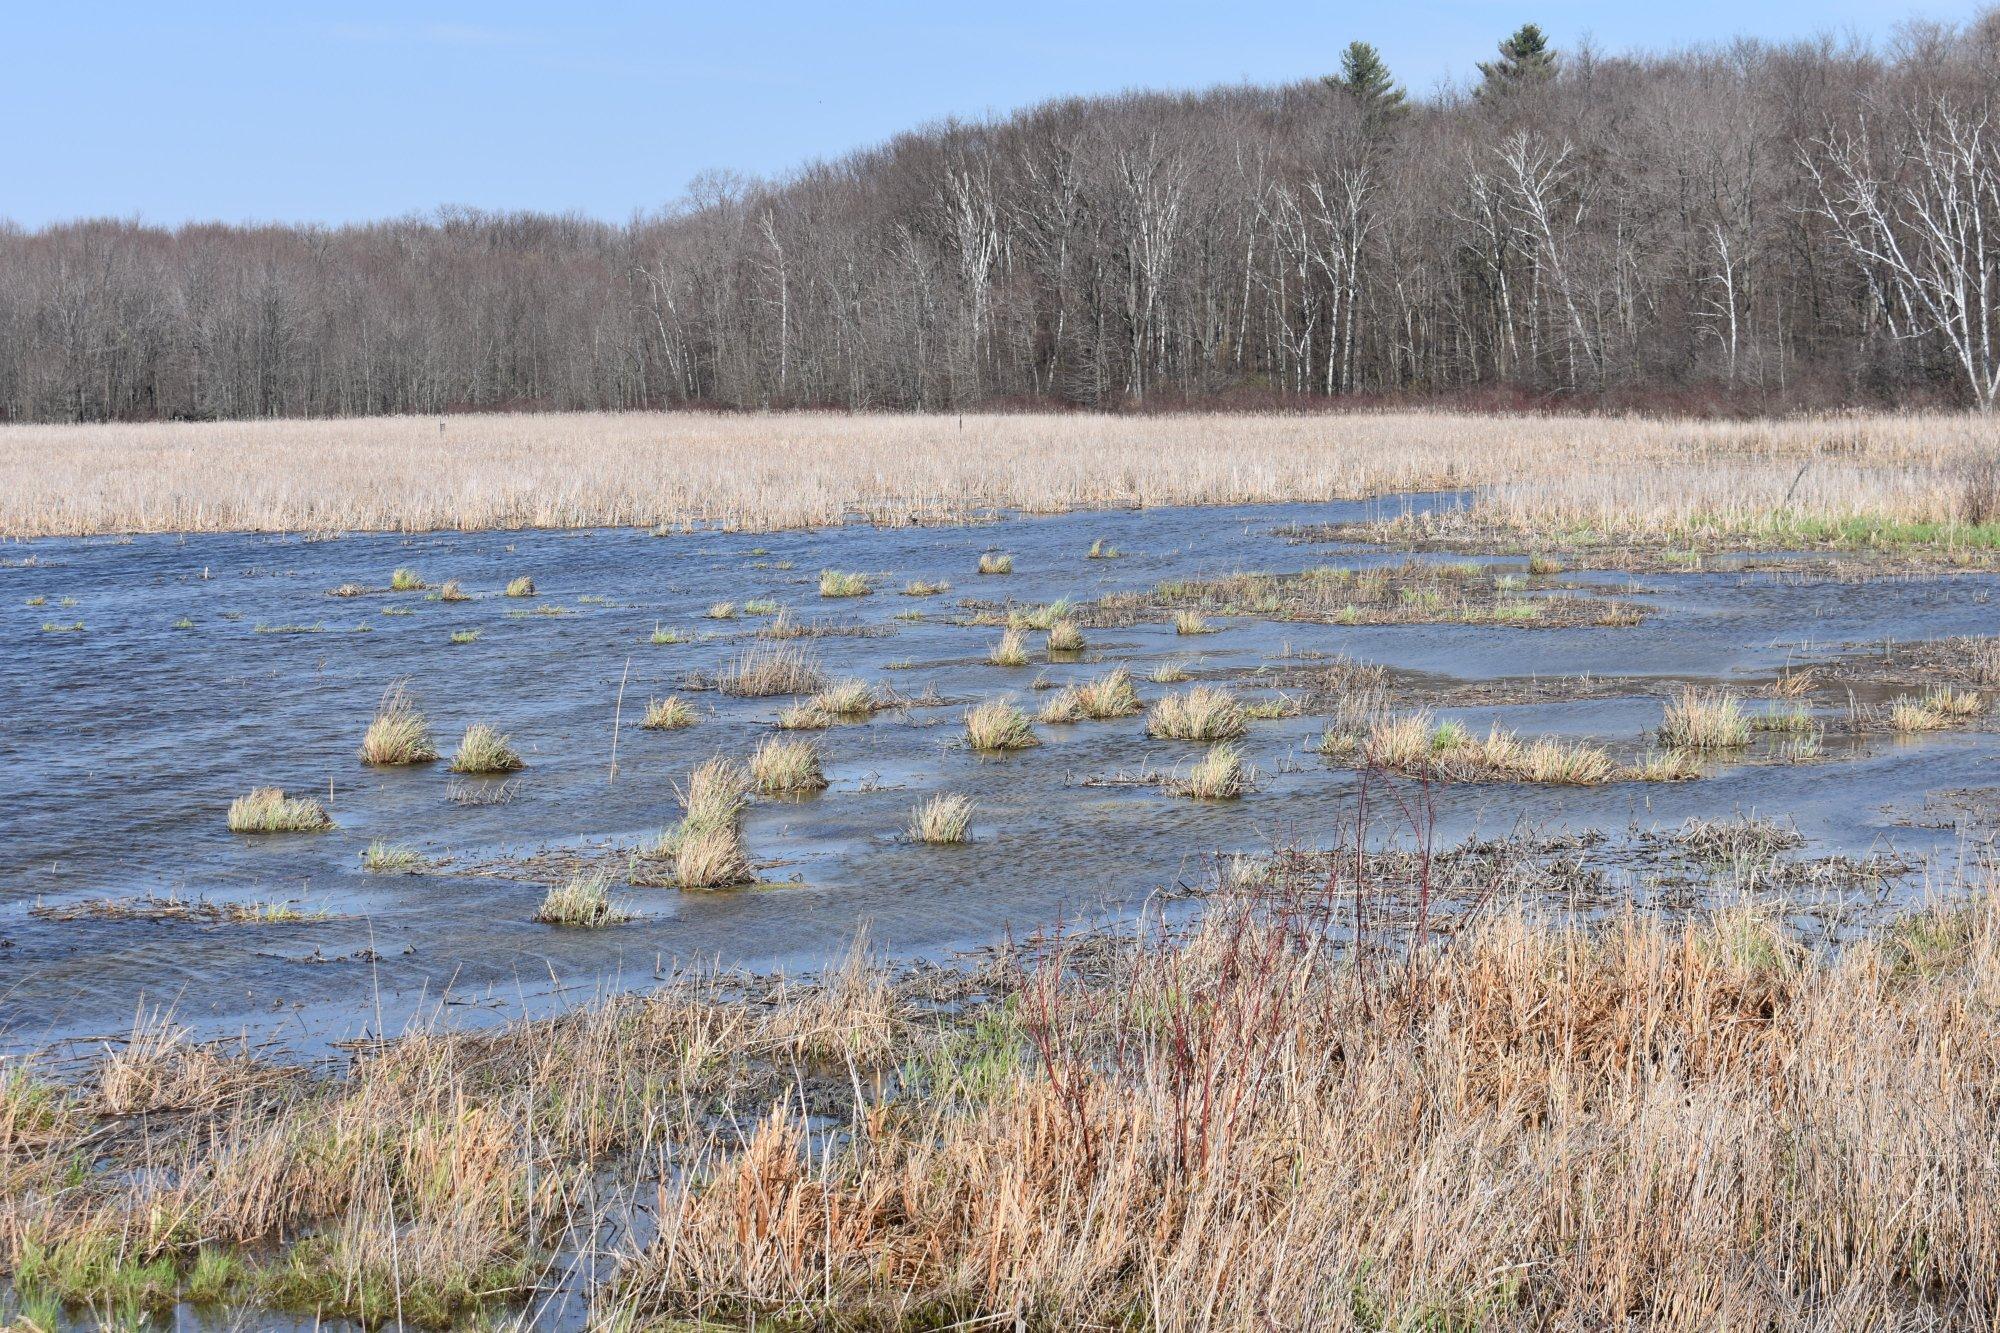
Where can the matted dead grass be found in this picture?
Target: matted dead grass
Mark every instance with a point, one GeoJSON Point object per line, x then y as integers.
{"type": "Point", "coordinates": [809, 469]}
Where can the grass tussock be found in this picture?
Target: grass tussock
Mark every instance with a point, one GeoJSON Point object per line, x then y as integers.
{"type": "Point", "coordinates": [762, 672]}
{"type": "Point", "coordinates": [924, 588]}
{"type": "Point", "coordinates": [1110, 695]}
{"type": "Point", "coordinates": [1704, 720]}
{"type": "Point", "coordinates": [669, 714]}
{"type": "Point", "coordinates": [269, 810]}
{"type": "Point", "coordinates": [1204, 713]}
{"type": "Point", "coordinates": [1102, 550]}
{"type": "Point", "coordinates": [1936, 709]}
{"type": "Point", "coordinates": [1221, 774]}
{"type": "Point", "coordinates": [706, 847]}
{"type": "Point", "coordinates": [485, 749]}
{"type": "Point", "coordinates": [803, 717]}
{"type": "Point", "coordinates": [780, 767]}
{"type": "Point", "coordinates": [580, 900]}
{"type": "Point", "coordinates": [998, 725]}
{"type": "Point", "coordinates": [1065, 637]}
{"type": "Point", "coordinates": [942, 820]}
{"type": "Point", "coordinates": [1192, 622]}
{"type": "Point", "coordinates": [399, 734]}
{"type": "Point", "coordinates": [1416, 746]}
{"type": "Point", "coordinates": [722, 611]}
{"type": "Point", "coordinates": [520, 586]}
{"type": "Point", "coordinates": [453, 591]}
{"type": "Point", "coordinates": [833, 583]}
{"type": "Point", "coordinates": [407, 580]}
{"type": "Point", "coordinates": [385, 858]}
{"type": "Point", "coordinates": [1010, 651]}
{"type": "Point", "coordinates": [994, 562]}
{"type": "Point", "coordinates": [847, 699]}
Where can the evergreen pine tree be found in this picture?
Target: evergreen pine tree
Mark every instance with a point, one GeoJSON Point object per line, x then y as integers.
{"type": "Point", "coordinates": [1365, 77]}
{"type": "Point", "coordinates": [1526, 59]}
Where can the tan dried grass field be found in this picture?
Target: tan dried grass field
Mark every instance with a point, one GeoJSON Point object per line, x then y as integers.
{"type": "Point", "coordinates": [1616, 476]}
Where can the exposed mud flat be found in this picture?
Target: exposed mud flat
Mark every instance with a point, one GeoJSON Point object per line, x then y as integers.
{"type": "Point", "coordinates": [209, 666]}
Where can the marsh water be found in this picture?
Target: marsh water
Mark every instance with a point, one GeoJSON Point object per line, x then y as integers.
{"type": "Point", "coordinates": [210, 665]}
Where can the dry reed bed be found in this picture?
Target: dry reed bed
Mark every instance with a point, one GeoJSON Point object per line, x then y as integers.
{"type": "Point", "coordinates": [1613, 475]}
{"type": "Point", "coordinates": [1690, 1123]}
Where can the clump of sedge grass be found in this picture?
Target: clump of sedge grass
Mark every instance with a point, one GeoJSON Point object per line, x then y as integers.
{"type": "Point", "coordinates": [833, 583]}
{"type": "Point", "coordinates": [464, 636]}
{"type": "Point", "coordinates": [344, 590]}
{"type": "Point", "coordinates": [1065, 637]}
{"type": "Point", "coordinates": [722, 611]}
{"type": "Point", "coordinates": [1192, 622]}
{"type": "Point", "coordinates": [1099, 550]}
{"type": "Point", "coordinates": [1934, 710]}
{"type": "Point", "coordinates": [922, 588]}
{"type": "Point", "coordinates": [1110, 695]}
{"type": "Point", "coordinates": [998, 725]}
{"type": "Point", "coordinates": [407, 580]}
{"type": "Point", "coordinates": [761, 672]}
{"type": "Point", "coordinates": [1665, 766]}
{"type": "Point", "coordinates": [668, 714]}
{"type": "Point", "coordinates": [1703, 721]}
{"type": "Point", "coordinates": [1011, 651]}
{"type": "Point", "coordinates": [452, 591]}
{"type": "Point", "coordinates": [993, 562]}
{"type": "Point", "coordinates": [850, 697]}
{"type": "Point", "coordinates": [761, 606]}
{"type": "Point", "coordinates": [1170, 672]}
{"type": "Point", "coordinates": [382, 858]}
{"type": "Point", "coordinates": [521, 586]}
{"type": "Point", "coordinates": [706, 847]}
{"type": "Point", "coordinates": [1544, 564]}
{"type": "Point", "coordinates": [269, 810]}
{"type": "Point", "coordinates": [399, 734]}
{"type": "Point", "coordinates": [1219, 775]}
{"type": "Point", "coordinates": [942, 819]}
{"type": "Point", "coordinates": [1204, 713]}
{"type": "Point", "coordinates": [484, 749]}
{"type": "Point", "coordinates": [803, 717]}
{"type": "Point", "coordinates": [662, 636]}
{"type": "Point", "coordinates": [781, 767]}
{"type": "Point", "coordinates": [580, 900]}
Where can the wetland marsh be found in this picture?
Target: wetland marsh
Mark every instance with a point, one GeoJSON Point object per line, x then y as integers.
{"type": "Point", "coordinates": [613, 775]}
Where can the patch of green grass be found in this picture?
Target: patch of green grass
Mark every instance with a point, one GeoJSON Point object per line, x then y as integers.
{"type": "Point", "coordinates": [407, 580]}
{"type": "Point", "coordinates": [465, 636]}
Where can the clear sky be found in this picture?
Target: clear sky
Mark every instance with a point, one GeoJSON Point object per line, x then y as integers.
{"type": "Point", "coordinates": [244, 110]}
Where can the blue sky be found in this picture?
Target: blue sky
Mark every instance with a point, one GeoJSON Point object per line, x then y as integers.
{"type": "Point", "coordinates": [256, 111]}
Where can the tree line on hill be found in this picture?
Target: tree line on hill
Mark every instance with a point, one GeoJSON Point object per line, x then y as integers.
{"type": "Point", "coordinates": [1795, 224]}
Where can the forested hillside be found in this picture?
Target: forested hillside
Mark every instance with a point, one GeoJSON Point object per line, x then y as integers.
{"type": "Point", "coordinates": [1807, 224]}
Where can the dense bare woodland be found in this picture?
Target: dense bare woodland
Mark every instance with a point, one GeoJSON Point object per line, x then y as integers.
{"type": "Point", "coordinates": [1764, 225]}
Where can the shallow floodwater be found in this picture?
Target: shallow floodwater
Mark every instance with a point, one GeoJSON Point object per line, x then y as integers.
{"type": "Point", "coordinates": [124, 742]}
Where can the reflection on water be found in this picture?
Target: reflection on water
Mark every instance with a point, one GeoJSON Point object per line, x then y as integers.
{"type": "Point", "coordinates": [124, 743]}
